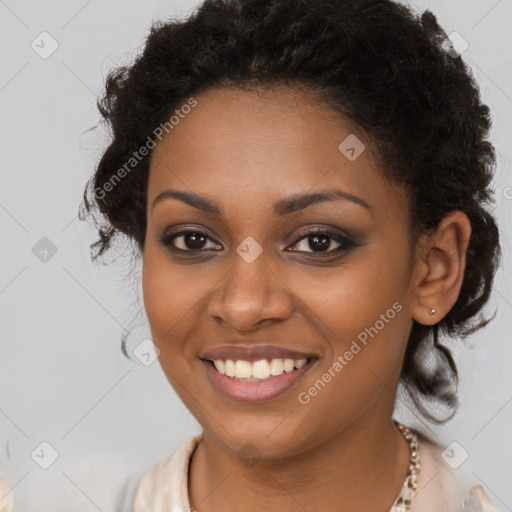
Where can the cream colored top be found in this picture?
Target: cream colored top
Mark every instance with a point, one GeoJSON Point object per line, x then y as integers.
{"type": "Point", "coordinates": [164, 486]}
{"type": "Point", "coordinates": [6, 496]}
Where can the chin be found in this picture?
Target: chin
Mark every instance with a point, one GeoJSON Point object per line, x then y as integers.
{"type": "Point", "coordinates": [272, 439]}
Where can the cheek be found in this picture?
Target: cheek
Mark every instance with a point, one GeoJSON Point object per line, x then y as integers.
{"type": "Point", "coordinates": [362, 310]}
{"type": "Point", "coordinates": [362, 363]}
{"type": "Point", "coordinates": [354, 296]}
{"type": "Point", "coordinates": [171, 298]}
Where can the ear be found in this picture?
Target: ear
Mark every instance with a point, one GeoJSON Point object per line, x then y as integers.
{"type": "Point", "coordinates": [439, 268]}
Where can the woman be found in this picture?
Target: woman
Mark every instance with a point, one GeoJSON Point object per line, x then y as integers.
{"type": "Point", "coordinates": [307, 183]}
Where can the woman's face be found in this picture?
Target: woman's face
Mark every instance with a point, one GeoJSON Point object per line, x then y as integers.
{"type": "Point", "coordinates": [249, 277]}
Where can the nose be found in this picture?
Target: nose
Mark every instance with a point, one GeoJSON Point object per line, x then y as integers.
{"type": "Point", "coordinates": [250, 294]}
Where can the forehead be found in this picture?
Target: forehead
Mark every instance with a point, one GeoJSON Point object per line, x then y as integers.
{"type": "Point", "coordinates": [256, 146]}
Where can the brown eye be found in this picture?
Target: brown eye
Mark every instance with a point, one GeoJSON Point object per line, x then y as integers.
{"type": "Point", "coordinates": [188, 241]}
{"type": "Point", "coordinates": [321, 241]}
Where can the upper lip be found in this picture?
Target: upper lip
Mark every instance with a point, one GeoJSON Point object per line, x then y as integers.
{"type": "Point", "coordinates": [253, 353]}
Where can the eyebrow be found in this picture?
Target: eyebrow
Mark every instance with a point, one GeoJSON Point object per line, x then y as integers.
{"type": "Point", "coordinates": [282, 207]}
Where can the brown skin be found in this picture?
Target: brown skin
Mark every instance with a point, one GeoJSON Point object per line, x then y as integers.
{"type": "Point", "coordinates": [247, 150]}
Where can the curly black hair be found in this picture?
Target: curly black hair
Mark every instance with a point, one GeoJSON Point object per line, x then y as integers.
{"type": "Point", "coordinates": [378, 64]}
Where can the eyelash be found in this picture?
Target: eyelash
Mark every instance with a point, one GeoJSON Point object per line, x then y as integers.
{"type": "Point", "coordinates": [345, 241]}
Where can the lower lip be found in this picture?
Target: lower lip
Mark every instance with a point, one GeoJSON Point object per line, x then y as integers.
{"type": "Point", "coordinates": [251, 392]}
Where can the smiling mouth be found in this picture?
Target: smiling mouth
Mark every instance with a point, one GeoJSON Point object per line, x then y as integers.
{"type": "Point", "coordinates": [253, 381]}
{"type": "Point", "coordinates": [256, 371]}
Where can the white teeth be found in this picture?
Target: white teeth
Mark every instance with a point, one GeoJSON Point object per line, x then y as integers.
{"type": "Point", "coordinates": [288, 365]}
{"type": "Point", "coordinates": [243, 369]}
{"type": "Point", "coordinates": [261, 369]}
{"type": "Point", "coordinates": [299, 363]}
{"type": "Point", "coordinates": [276, 366]}
{"type": "Point", "coordinates": [221, 366]}
{"type": "Point", "coordinates": [257, 370]}
{"type": "Point", "coordinates": [230, 368]}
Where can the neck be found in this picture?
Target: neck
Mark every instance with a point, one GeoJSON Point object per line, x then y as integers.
{"type": "Point", "coordinates": [361, 468]}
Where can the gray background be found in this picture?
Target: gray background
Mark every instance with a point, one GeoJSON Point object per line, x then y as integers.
{"type": "Point", "coordinates": [63, 378]}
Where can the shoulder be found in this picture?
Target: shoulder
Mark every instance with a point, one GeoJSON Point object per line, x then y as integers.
{"type": "Point", "coordinates": [478, 501]}
{"type": "Point", "coordinates": [165, 484]}
{"type": "Point", "coordinates": [444, 489]}
{"type": "Point", "coordinates": [6, 496]}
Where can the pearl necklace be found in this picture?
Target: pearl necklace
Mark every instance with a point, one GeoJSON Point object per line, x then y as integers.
{"type": "Point", "coordinates": [410, 484]}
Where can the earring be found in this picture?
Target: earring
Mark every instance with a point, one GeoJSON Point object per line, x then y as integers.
{"type": "Point", "coordinates": [432, 312]}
